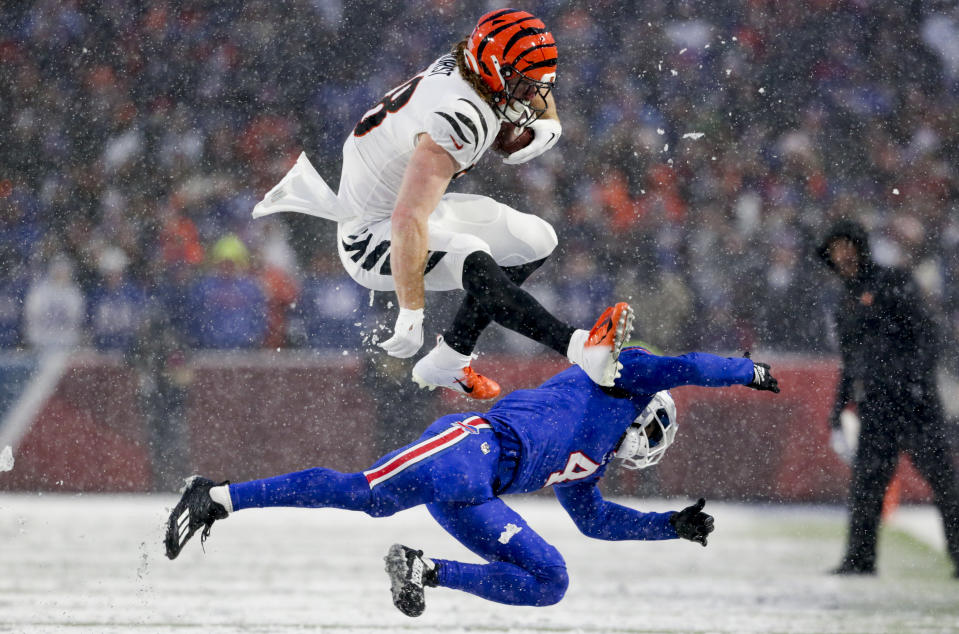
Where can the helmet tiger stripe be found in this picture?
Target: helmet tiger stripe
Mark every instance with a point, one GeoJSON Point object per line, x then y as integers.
{"type": "Point", "coordinates": [513, 39]}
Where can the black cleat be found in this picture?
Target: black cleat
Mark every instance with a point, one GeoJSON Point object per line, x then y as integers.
{"type": "Point", "coordinates": [194, 510]}
{"type": "Point", "coordinates": [409, 573]}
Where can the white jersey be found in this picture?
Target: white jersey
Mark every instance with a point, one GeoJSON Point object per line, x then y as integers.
{"type": "Point", "coordinates": [437, 101]}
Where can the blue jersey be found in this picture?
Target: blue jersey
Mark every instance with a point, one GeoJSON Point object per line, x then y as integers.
{"type": "Point", "coordinates": [569, 427]}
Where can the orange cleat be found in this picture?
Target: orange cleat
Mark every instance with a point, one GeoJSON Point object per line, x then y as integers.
{"type": "Point", "coordinates": [598, 354]}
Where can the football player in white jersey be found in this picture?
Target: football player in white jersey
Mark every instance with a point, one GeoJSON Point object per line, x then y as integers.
{"type": "Point", "coordinates": [400, 230]}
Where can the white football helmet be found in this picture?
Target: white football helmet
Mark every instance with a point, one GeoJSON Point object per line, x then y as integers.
{"type": "Point", "coordinates": [653, 431]}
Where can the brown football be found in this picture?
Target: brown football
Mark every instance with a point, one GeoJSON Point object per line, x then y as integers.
{"type": "Point", "coordinates": [511, 138]}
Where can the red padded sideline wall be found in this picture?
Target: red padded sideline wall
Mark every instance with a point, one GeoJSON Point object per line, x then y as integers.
{"type": "Point", "coordinates": [88, 436]}
{"type": "Point", "coordinates": [248, 415]}
{"type": "Point", "coordinates": [251, 419]}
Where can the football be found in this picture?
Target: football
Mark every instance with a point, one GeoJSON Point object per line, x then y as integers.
{"type": "Point", "coordinates": [511, 138]}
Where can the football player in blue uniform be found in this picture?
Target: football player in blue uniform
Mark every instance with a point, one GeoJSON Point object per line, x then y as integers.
{"type": "Point", "coordinates": [563, 434]}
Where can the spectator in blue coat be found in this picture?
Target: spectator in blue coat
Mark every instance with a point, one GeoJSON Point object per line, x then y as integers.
{"type": "Point", "coordinates": [326, 313]}
{"type": "Point", "coordinates": [117, 306]}
{"type": "Point", "coordinates": [227, 304]}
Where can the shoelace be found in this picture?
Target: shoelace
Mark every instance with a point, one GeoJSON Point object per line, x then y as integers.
{"type": "Point", "coordinates": [205, 533]}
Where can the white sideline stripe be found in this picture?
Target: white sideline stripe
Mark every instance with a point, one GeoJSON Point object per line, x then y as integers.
{"type": "Point", "coordinates": [17, 423]}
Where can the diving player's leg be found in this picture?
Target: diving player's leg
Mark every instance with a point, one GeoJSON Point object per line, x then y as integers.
{"type": "Point", "coordinates": [203, 501]}
{"type": "Point", "coordinates": [523, 568]}
{"type": "Point", "coordinates": [416, 474]}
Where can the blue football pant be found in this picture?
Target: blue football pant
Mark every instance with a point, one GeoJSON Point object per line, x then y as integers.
{"type": "Point", "coordinates": [452, 469]}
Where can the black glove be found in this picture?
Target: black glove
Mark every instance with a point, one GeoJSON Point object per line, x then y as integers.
{"type": "Point", "coordinates": [692, 524]}
{"type": "Point", "coordinates": [762, 377]}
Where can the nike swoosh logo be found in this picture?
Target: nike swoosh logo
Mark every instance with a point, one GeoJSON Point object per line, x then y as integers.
{"type": "Point", "coordinates": [466, 388]}
{"type": "Point", "coordinates": [455, 144]}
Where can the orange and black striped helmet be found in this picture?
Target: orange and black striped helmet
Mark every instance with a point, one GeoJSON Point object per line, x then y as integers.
{"type": "Point", "coordinates": [515, 56]}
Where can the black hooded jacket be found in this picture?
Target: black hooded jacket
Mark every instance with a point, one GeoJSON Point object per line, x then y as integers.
{"type": "Point", "coordinates": [887, 338]}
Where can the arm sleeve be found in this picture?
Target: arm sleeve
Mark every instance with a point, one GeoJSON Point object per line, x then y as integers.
{"type": "Point", "coordinates": [843, 393]}
{"type": "Point", "coordinates": [844, 386]}
{"type": "Point", "coordinates": [600, 519]}
{"type": "Point", "coordinates": [646, 373]}
{"type": "Point", "coordinates": [461, 129]}
{"type": "Point", "coordinates": [915, 320]}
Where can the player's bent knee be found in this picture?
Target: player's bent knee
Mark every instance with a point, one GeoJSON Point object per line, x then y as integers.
{"type": "Point", "coordinates": [553, 581]}
{"type": "Point", "coordinates": [539, 235]}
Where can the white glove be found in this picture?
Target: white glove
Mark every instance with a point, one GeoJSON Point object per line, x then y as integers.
{"type": "Point", "coordinates": [546, 133]}
{"type": "Point", "coordinates": [407, 334]}
{"type": "Point", "coordinates": [840, 445]}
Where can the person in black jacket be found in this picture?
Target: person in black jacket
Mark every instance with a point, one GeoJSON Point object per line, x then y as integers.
{"type": "Point", "coordinates": [889, 347]}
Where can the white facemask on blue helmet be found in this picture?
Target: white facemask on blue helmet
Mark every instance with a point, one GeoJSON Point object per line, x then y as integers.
{"type": "Point", "coordinates": [653, 431]}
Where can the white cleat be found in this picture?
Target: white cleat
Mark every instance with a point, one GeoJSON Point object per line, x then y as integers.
{"type": "Point", "coordinates": [444, 367]}
{"type": "Point", "coordinates": [597, 351]}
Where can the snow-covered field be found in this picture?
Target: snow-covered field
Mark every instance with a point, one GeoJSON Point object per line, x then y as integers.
{"type": "Point", "coordinates": [95, 564]}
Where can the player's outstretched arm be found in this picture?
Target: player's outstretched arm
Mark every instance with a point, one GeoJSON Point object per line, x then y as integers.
{"type": "Point", "coordinates": [647, 373]}
{"type": "Point", "coordinates": [427, 176]}
{"type": "Point", "coordinates": [601, 519]}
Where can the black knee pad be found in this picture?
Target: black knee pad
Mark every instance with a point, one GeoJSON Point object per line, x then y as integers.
{"type": "Point", "coordinates": [481, 273]}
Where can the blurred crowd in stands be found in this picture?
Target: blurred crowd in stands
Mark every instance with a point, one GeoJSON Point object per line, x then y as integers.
{"type": "Point", "coordinates": [707, 145]}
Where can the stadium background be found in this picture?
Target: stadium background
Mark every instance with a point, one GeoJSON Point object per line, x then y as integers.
{"type": "Point", "coordinates": [150, 328]}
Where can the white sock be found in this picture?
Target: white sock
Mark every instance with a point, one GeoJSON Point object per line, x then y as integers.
{"type": "Point", "coordinates": [443, 356]}
{"type": "Point", "coordinates": [221, 495]}
{"type": "Point", "coordinates": [576, 344]}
